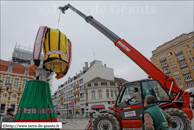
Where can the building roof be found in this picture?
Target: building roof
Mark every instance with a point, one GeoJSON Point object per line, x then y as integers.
{"type": "Point", "coordinates": [98, 79]}
{"type": "Point", "coordinates": [172, 43]}
{"type": "Point", "coordinates": [17, 68]}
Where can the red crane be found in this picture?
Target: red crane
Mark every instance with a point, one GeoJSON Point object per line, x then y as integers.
{"type": "Point", "coordinates": [180, 101]}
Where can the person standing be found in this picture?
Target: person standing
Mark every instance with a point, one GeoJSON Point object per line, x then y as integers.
{"type": "Point", "coordinates": [154, 118]}
{"type": "Point", "coordinates": [192, 101]}
{"type": "Point", "coordinates": [9, 116]}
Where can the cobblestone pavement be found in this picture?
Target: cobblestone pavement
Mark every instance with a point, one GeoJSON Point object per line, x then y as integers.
{"type": "Point", "coordinates": [80, 124]}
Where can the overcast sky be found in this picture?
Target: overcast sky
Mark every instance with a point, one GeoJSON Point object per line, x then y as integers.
{"type": "Point", "coordinates": [144, 25]}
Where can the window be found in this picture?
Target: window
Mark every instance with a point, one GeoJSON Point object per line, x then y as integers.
{"type": "Point", "coordinates": [190, 59]}
{"type": "Point", "coordinates": [107, 93]}
{"type": "Point", "coordinates": [180, 86]}
{"type": "Point", "coordinates": [169, 75]}
{"type": "Point", "coordinates": [166, 70]}
{"type": "Point", "coordinates": [180, 57]}
{"type": "Point", "coordinates": [24, 83]}
{"type": "Point", "coordinates": [111, 93]}
{"type": "Point", "coordinates": [2, 107]}
{"type": "Point", "coordinates": [92, 84]}
{"type": "Point", "coordinates": [164, 64]}
{"type": "Point", "coordinates": [182, 64]}
{"type": "Point", "coordinates": [190, 84]}
{"type": "Point", "coordinates": [93, 95]}
{"type": "Point", "coordinates": [9, 69]}
{"type": "Point", "coordinates": [176, 72]}
{"type": "Point", "coordinates": [187, 53]}
{"type": "Point", "coordinates": [162, 58]}
{"type": "Point", "coordinates": [153, 88]}
{"type": "Point", "coordinates": [184, 47]}
{"type": "Point", "coordinates": [16, 81]}
{"type": "Point", "coordinates": [26, 72]}
{"type": "Point", "coordinates": [81, 95]}
{"type": "Point", "coordinates": [187, 46]}
{"type": "Point", "coordinates": [154, 60]}
{"type": "Point", "coordinates": [176, 43]}
{"type": "Point", "coordinates": [0, 77]}
{"type": "Point", "coordinates": [169, 54]}
{"type": "Point", "coordinates": [81, 87]}
{"type": "Point", "coordinates": [185, 69]}
{"type": "Point", "coordinates": [171, 60]}
{"type": "Point", "coordinates": [157, 65]}
{"type": "Point", "coordinates": [81, 81]}
{"type": "Point", "coordinates": [174, 66]}
{"type": "Point", "coordinates": [115, 93]}
{"type": "Point", "coordinates": [99, 83]}
{"type": "Point", "coordinates": [188, 77]}
{"type": "Point", "coordinates": [108, 83]}
{"type": "Point", "coordinates": [4, 95]}
{"type": "Point", "coordinates": [177, 51]}
{"type": "Point", "coordinates": [178, 79]}
{"type": "Point", "coordinates": [193, 44]}
{"type": "Point", "coordinates": [99, 94]}
{"type": "Point", "coordinates": [7, 80]}
{"type": "Point", "coordinates": [14, 96]}
{"type": "Point", "coordinates": [193, 66]}
{"type": "Point", "coordinates": [190, 52]}
{"type": "Point", "coordinates": [86, 95]}
{"type": "Point", "coordinates": [193, 58]}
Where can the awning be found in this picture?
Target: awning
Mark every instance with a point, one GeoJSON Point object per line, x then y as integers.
{"type": "Point", "coordinates": [97, 106]}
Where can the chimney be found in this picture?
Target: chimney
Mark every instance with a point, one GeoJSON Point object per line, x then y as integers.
{"type": "Point", "coordinates": [76, 74]}
{"type": "Point", "coordinates": [84, 68]}
{"type": "Point", "coordinates": [86, 65]}
{"type": "Point", "coordinates": [104, 65]}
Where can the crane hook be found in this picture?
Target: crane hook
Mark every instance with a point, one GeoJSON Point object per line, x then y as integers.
{"type": "Point", "coordinates": [64, 8]}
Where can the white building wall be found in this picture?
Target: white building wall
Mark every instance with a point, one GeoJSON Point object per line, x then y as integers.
{"type": "Point", "coordinates": [98, 70]}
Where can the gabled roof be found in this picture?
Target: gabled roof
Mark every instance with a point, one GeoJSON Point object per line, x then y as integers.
{"type": "Point", "coordinates": [17, 68]}
{"type": "Point", "coordinates": [98, 79]}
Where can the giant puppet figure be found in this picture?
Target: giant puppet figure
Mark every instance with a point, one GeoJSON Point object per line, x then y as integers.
{"type": "Point", "coordinates": [36, 104]}
{"type": "Point", "coordinates": [56, 49]}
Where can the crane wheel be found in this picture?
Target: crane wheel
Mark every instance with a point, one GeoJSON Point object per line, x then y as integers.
{"type": "Point", "coordinates": [180, 119]}
{"type": "Point", "coordinates": [105, 121]}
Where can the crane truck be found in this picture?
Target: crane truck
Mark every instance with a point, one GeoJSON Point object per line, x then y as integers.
{"type": "Point", "coordinates": [126, 114]}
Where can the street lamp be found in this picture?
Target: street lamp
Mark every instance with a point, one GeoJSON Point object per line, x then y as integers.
{"type": "Point", "coordinates": [7, 86]}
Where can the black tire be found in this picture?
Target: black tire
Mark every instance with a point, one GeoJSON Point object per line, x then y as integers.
{"type": "Point", "coordinates": [180, 119]}
{"type": "Point", "coordinates": [105, 121]}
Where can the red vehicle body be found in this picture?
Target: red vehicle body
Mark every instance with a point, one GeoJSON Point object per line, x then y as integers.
{"type": "Point", "coordinates": [177, 98]}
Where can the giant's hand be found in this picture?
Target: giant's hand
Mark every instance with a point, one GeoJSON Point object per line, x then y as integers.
{"type": "Point", "coordinates": [32, 68]}
{"type": "Point", "coordinates": [61, 75]}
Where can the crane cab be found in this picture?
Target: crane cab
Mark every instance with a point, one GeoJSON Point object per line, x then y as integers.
{"type": "Point", "coordinates": [132, 109]}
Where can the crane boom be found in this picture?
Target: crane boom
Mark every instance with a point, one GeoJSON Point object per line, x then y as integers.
{"type": "Point", "coordinates": [168, 83]}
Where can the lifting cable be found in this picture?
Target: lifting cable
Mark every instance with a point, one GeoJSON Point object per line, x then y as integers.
{"type": "Point", "coordinates": [59, 19]}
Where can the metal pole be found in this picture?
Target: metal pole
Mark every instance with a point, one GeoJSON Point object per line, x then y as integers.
{"type": "Point", "coordinates": [171, 87]}
{"type": "Point", "coordinates": [89, 19]}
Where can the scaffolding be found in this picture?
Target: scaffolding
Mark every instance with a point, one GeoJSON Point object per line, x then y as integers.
{"type": "Point", "coordinates": [24, 56]}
